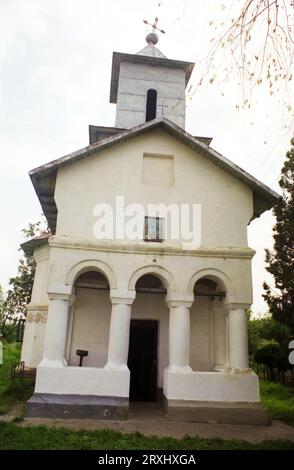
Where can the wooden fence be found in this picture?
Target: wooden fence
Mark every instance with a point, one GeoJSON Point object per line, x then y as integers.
{"type": "Point", "coordinates": [285, 377]}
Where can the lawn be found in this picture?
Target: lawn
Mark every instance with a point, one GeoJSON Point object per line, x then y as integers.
{"type": "Point", "coordinates": [12, 393]}
{"type": "Point", "coordinates": [13, 436]}
{"type": "Point", "coordinates": [278, 399]}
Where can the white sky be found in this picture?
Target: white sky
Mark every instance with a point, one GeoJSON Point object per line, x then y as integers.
{"type": "Point", "coordinates": [55, 66]}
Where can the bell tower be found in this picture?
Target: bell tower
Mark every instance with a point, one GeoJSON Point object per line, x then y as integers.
{"type": "Point", "coordinates": [148, 85]}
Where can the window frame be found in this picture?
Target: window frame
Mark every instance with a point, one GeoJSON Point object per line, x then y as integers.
{"type": "Point", "coordinates": [158, 231]}
{"type": "Point", "coordinates": [151, 105]}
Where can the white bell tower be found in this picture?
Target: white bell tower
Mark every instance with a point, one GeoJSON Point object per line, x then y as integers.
{"type": "Point", "coordinates": [148, 85]}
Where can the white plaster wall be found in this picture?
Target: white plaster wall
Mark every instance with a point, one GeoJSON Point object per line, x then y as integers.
{"type": "Point", "coordinates": [212, 386]}
{"type": "Point", "coordinates": [39, 292]}
{"type": "Point", "coordinates": [83, 381]}
{"type": "Point", "coordinates": [200, 334]}
{"type": "Point", "coordinates": [29, 338]}
{"type": "Point", "coordinates": [34, 334]}
{"type": "Point", "coordinates": [208, 341]}
{"type": "Point", "coordinates": [226, 202]}
{"type": "Point", "coordinates": [219, 335]}
{"type": "Point", "coordinates": [123, 263]}
{"type": "Point", "coordinates": [90, 329]}
{"type": "Point", "coordinates": [153, 307]}
{"type": "Point", "coordinates": [134, 82]}
{"type": "Point", "coordinates": [33, 340]}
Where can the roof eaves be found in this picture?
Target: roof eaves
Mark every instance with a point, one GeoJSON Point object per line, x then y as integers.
{"type": "Point", "coordinates": [30, 245]}
{"type": "Point", "coordinates": [259, 188]}
{"type": "Point", "coordinates": [119, 57]}
{"type": "Point", "coordinates": [90, 149]}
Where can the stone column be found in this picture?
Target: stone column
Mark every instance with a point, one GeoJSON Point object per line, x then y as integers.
{"type": "Point", "coordinates": [238, 339]}
{"type": "Point", "coordinates": [227, 339]}
{"type": "Point", "coordinates": [70, 325]}
{"type": "Point", "coordinates": [179, 335]}
{"type": "Point", "coordinates": [56, 330]}
{"type": "Point", "coordinates": [119, 332]}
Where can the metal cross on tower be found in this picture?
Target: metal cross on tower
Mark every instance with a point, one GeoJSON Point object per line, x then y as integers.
{"type": "Point", "coordinates": [152, 37]}
{"type": "Point", "coordinates": [154, 25]}
{"type": "Point", "coordinates": [162, 106]}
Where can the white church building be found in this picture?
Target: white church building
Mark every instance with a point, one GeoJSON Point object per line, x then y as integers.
{"type": "Point", "coordinates": [142, 313]}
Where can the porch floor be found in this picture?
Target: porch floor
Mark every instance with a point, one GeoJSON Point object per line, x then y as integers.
{"type": "Point", "coordinates": [149, 420]}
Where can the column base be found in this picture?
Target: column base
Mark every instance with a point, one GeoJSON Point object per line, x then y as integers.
{"type": "Point", "coordinates": [179, 369]}
{"type": "Point", "coordinates": [59, 363]}
{"type": "Point", "coordinates": [216, 412]}
{"type": "Point", "coordinates": [110, 366]}
{"type": "Point", "coordinates": [49, 405]}
{"type": "Point", "coordinates": [219, 368]}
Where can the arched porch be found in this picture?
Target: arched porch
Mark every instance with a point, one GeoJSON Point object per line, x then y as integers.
{"type": "Point", "coordinates": [88, 322]}
{"type": "Point", "coordinates": [208, 332]}
{"type": "Point", "coordinates": [208, 375]}
{"type": "Point", "coordinates": [200, 355]}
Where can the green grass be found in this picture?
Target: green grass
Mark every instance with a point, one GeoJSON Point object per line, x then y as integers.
{"type": "Point", "coordinates": [13, 436]}
{"type": "Point", "coordinates": [19, 391]}
{"type": "Point", "coordinates": [279, 400]}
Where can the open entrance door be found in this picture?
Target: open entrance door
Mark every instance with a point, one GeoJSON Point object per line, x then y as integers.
{"type": "Point", "coordinates": [142, 360]}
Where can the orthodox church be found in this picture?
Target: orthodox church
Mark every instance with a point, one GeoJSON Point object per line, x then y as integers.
{"type": "Point", "coordinates": [125, 307]}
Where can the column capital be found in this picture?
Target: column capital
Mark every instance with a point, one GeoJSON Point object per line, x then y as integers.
{"type": "Point", "coordinates": [121, 296]}
{"type": "Point", "coordinates": [59, 291]}
{"type": "Point", "coordinates": [181, 300]}
{"type": "Point", "coordinates": [218, 303]}
{"type": "Point", "coordinates": [179, 303]}
{"type": "Point", "coordinates": [236, 306]}
{"type": "Point", "coordinates": [71, 300]}
{"type": "Point", "coordinates": [58, 296]}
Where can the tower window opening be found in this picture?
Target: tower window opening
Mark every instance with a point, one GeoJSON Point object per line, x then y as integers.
{"type": "Point", "coordinates": [151, 104]}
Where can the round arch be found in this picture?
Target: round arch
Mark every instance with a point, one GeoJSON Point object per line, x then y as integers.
{"type": "Point", "coordinates": [217, 275]}
{"type": "Point", "coordinates": [164, 275]}
{"type": "Point", "coordinates": [91, 265]}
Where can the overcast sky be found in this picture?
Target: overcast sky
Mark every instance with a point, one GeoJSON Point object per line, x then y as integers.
{"type": "Point", "coordinates": [55, 66]}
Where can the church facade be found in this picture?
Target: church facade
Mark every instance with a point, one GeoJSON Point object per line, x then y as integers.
{"type": "Point", "coordinates": [143, 312]}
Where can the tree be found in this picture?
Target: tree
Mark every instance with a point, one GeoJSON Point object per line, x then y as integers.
{"type": "Point", "coordinates": [254, 42]}
{"type": "Point", "coordinates": [19, 293]}
{"type": "Point", "coordinates": [273, 356]}
{"type": "Point", "coordinates": [280, 261]}
{"type": "Point", "coordinates": [3, 317]}
{"type": "Point", "coordinates": [267, 355]}
{"type": "Point", "coordinates": [262, 331]}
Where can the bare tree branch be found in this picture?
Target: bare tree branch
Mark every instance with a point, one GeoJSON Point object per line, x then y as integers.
{"type": "Point", "coordinates": [257, 47]}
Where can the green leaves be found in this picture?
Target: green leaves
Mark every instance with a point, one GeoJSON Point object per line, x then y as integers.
{"type": "Point", "coordinates": [20, 286]}
{"type": "Point", "coordinates": [280, 261]}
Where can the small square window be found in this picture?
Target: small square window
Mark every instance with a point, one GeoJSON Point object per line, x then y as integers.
{"type": "Point", "coordinates": [154, 229]}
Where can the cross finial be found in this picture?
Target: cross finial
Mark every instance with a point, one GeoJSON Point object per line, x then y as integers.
{"type": "Point", "coordinates": [162, 106]}
{"type": "Point", "coordinates": [152, 37]}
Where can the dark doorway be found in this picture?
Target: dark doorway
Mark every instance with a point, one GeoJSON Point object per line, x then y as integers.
{"type": "Point", "coordinates": [151, 104]}
{"type": "Point", "coordinates": [142, 360]}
